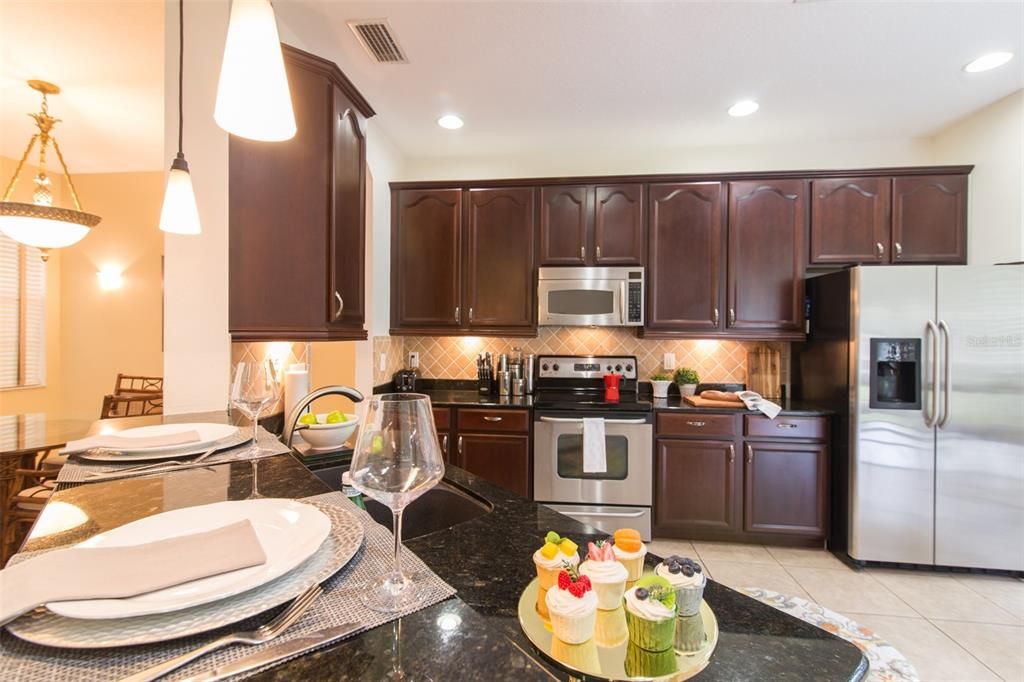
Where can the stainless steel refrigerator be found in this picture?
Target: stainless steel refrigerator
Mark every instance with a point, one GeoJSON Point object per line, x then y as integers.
{"type": "Point", "coordinates": [925, 368]}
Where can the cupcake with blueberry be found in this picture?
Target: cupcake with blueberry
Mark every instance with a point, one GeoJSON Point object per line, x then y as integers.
{"type": "Point", "coordinates": [606, 574]}
{"type": "Point", "coordinates": [687, 579]}
{"type": "Point", "coordinates": [630, 552]}
{"type": "Point", "coordinates": [556, 554]}
{"type": "Point", "coordinates": [651, 613]}
{"type": "Point", "coordinates": [572, 607]}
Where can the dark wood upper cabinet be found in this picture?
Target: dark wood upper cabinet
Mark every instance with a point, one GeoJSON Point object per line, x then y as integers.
{"type": "Point", "coordinates": [618, 225]}
{"type": "Point", "coordinates": [684, 283]}
{"type": "Point", "coordinates": [850, 220]}
{"type": "Point", "coordinates": [929, 219]}
{"type": "Point", "coordinates": [696, 487]}
{"type": "Point", "coordinates": [426, 285]}
{"type": "Point", "coordinates": [499, 279]}
{"type": "Point", "coordinates": [296, 215]}
{"type": "Point", "coordinates": [766, 255]}
{"type": "Point", "coordinates": [564, 217]}
{"type": "Point", "coordinates": [786, 488]}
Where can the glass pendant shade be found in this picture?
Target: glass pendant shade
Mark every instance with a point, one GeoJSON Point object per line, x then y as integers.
{"type": "Point", "coordinates": [253, 100]}
{"type": "Point", "coordinates": [42, 232]}
{"type": "Point", "coordinates": [179, 214]}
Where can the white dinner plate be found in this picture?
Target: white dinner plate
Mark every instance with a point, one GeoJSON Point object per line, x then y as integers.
{"type": "Point", "coordinates": [289, 531]}
{"type": "Point", "coordinates": [208, 435]}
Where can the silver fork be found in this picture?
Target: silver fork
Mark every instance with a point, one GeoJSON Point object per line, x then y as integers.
{"type": "Point", "coordinates": [262, 634]}
{"type": "Point", "coordinates": [155, 465]}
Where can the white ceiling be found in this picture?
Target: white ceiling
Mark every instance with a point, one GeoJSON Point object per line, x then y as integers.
{"type": "Point", "coordinates": [107, 57]}
{"type": "Point", "coordinates": [553, 78]}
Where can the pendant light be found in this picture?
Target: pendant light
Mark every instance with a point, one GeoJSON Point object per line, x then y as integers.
{"type": "Point", "coordinates": [253, 100]}
{"type": "Point", "coordinates": [179, 214]}
{"type": "Point", "coordinates": [41, 224]}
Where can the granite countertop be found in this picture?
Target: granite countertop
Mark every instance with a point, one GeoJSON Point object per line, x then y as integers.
{"type": "Point", "coordinates": [443, 397]}
{"type": "Point", "coordinates": [474, 635]}
{"type": "Point", "coordinates": [790, 407]}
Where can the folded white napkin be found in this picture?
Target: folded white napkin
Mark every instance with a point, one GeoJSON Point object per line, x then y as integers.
{"type": "Point", "coordinates": [117, 572]}
{"type": "Point", "coordinates": [755, 402]}
{"type": "Point", "coordinates": [115, 442]}
{"type": "Point", "coordinates": [595, 459]}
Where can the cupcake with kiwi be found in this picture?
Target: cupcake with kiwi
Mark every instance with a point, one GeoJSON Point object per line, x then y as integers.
{"type": "Point", "coordinates": [651, 613]}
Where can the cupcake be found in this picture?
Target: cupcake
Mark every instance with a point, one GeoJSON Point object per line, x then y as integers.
{"type": "Point", "coordinates": [606, 574]}
{"type": "Point", "coordinates": [555, 555]}
{"type": "Point", "coordinates": [642, 663]}
{"type": "Point", "coordinates": [687, 579]}
{"type": "Point", "coordinates": [572, 606]}
{"type": "Point", "coordinates": [630, 552]}
{"type": "Point", "coordinates": [651, 613]}
{"type": "Point", "coordinates": [689, 633]}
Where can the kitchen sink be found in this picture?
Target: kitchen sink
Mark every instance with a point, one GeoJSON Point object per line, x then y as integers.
{"type": "Point", "coordinates": [443, 506]}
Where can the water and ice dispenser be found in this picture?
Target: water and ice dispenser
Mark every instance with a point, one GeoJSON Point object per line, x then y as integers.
{"type": "Point", "coordinates": [896, 374]}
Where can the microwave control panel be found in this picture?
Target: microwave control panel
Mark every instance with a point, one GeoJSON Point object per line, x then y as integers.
{"type": "Point", "coordinates": [634, 303]}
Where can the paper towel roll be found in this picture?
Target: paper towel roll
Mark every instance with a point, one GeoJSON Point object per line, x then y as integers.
{"type": "Point", "coordinates": [296, 385]}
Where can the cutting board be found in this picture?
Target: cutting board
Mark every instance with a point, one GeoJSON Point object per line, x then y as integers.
{"type": "Point", "coordinates": [697, 401]}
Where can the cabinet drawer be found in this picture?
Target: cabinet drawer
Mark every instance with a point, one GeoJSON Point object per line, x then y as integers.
{"type": "Point", "coordinates": [442, 418]}
{"type": "Point", "coordinates": [494, 420]}
{"type": "Point", "coordinates": [700, 425]}
{"type": "Point", "coordinates": [785, 427]}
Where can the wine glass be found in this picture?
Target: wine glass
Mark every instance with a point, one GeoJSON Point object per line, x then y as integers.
{"type": "Point", "coordinates": [253, 388]}
{"type": "Point", "coordinates": [397, 459]}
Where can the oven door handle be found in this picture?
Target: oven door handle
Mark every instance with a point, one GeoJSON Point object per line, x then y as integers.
{"type": "Point", "coordinates": [563, 420]}
{"type": "Point", "coordinates": [610, 515]}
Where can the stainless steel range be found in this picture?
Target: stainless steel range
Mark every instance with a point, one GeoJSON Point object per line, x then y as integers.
{"type": "Point", "coordinates": [570, 389]}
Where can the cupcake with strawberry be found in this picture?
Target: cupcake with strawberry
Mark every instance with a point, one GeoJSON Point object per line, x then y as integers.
{"type": "Point", "coordinates": [572, 606]}
{"type": "Point", "coordinates": [630, 552]}
{"type": "Point", "coordinates": [651, 613]}
{"type": "Point", "coordinates": [551, 558]}
{"type": "Point", "coordinates": [687, 579]}
{"type": "Point", "coordinates": [606, 574]}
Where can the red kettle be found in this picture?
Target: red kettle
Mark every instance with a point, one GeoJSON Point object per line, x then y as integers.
{"type": "Point", "coordinates": [611, 387]}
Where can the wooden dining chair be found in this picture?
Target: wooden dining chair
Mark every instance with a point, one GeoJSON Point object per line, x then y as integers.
{"type": "Point", "coordinates": [130, 384]}
{"type": "Point", "coordinates": [131, 405]}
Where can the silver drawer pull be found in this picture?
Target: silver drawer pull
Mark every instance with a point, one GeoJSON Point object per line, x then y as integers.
{"type": "Point", "coordinates": [492, 419]}
{"type": "Point", "coordinates": [697, 424]}
{"type": "Point", "coordinates": [783, 425]}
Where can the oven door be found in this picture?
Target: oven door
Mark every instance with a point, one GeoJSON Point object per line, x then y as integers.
{"type": "Point", "coordinates": [581, 302]}
{"type": "Point", "coordinates": [558, 474]}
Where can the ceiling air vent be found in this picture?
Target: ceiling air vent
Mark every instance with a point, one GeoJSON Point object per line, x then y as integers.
{"type": "Point", "coordinates": [378, 40]}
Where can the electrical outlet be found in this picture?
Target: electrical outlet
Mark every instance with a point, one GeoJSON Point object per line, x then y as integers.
{"type": "Point", "coordinates": [668, 361]}
{"type": "Point", "coordinates": [383, 362]}
{"type": "Point", "coordinates": [414, 359]}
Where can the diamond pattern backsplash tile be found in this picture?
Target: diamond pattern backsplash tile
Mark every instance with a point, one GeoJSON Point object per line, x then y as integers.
{"type": "Point", "coordinates": [280, 353]}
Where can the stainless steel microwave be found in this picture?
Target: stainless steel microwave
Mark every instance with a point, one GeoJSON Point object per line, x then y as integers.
{"type": "Point", "coordinates": [590, 297]}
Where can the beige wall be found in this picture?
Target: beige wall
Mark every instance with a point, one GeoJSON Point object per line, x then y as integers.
{"type": "Point", "coordinates": [993, 140]}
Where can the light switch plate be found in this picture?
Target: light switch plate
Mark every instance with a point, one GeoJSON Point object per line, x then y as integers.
{"type": "Point", "coordinates": [414, 359]}
{"type": "Point", "coordinates": [383, 362]}
{"type": "Point", "coordinates": [668, 361]}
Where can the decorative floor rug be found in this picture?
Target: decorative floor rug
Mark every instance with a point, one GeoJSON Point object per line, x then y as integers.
{"type": "Point", "coordinates": [886, 663]}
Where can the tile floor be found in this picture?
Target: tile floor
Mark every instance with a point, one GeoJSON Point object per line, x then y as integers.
{"type": "Point", "coordinates": [951, 626]}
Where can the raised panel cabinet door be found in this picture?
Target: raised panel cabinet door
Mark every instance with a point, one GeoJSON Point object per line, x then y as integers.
{"type": "Point", "coordinates": [785, 488]}
{"type": "Point", "coordinates": [619, 225]}
{"type": "Point", "coordinates": [684, 278]}
{"type": "Point", "coordinates": [499, 276]}
{"type": "Point", "coordinates": [850, 220]}
{"type": "Point", "coordinates": [564, 217]}
{"type": "Point", "coordinates": [425, 258]}
{"type": "Point", "coordinates": [501, 459]}
{"type": "Point", "coordinates": [277, 271]}
{"type": "Point", "coordinates": [766, 255]}
{"type": "Point", "coordinates": [929, 219]}
{"type": "Point", "coordinates": [346, 297]}
{"type": "Point", "coordinates": [695, 485]}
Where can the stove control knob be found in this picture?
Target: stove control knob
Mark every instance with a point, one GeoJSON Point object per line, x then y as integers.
{"type": "Point", "coordinates": [555, 367]}
{"type": "Point", "coordinates": [609, 368]}
{"type": "Point", "coordinates": [544, 367]}
{"type": "Point", "coordinates": [629, 368]}
{"type": "Point", "coordinates": [618, 368]}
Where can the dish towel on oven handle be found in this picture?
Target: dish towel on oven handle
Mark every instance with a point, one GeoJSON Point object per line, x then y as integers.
{"type": "Point", "coordinates": [595, 459]}
{"type": "Point", "coordinates": [755, 402]}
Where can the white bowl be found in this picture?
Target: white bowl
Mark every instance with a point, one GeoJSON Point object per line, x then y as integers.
{"type": "Point", "coordinates": [328, 436]}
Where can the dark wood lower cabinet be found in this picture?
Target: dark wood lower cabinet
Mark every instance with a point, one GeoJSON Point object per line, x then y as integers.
{"type": "Point", "coordinates": [695, 486]}
{"type": "Point", "coordinates": [501, 459]}
{"type": "Point", "coordinates": [785, 488]}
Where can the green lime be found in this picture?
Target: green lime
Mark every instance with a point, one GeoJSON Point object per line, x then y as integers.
{"type": "Point", "coordinates": [336, 417]}
{"type": "Point", "coordinates": [308, 418]}
{"type": "Point", "coordinates": [377, 444]}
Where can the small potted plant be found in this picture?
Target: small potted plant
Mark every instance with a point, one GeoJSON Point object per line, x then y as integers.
{"type": "Point", "coordinates": [661, 381]}
{"type": "Point", "coordinates": [687, 379]}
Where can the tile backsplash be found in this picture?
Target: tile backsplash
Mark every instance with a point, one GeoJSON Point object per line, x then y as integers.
{"type": "Point", "coordinates": [454, 357]}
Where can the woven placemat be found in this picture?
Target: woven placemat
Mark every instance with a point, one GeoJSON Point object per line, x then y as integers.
{"type": "Point", "coordinates": [24, 662]}
{"type": "Point", "coordinates": [232, 449]}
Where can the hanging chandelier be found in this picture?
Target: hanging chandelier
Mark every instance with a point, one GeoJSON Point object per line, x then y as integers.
{"type": "Point", "coordinates": [40, 223]}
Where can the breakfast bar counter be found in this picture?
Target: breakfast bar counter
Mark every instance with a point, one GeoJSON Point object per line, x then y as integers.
{"type": "Point", "coordinates": [475, 634]}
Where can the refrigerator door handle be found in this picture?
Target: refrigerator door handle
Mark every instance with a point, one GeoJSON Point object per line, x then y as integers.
{"type": "Point", "coordinates": [931, 414]}
{"type": "Point", "coordinates": [946, 339]}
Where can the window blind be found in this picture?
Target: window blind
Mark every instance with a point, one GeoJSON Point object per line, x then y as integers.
{"type": "Point", "coordinates": [22, 315]}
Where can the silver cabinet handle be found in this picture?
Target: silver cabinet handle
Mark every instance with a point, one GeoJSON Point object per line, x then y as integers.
{"type": "Point", "coordinates": [899, 249]}
{"type": "Point", "coordinates": [750, 452]}
{"type": "Point", "coordinates": [697, 424]}
{"type": "Point", "coordinates": [341, 305]}
{"type": "Point", "coordinates": [732, 316]}
{"type": "Point", "coordinates": [598, 250]}
{"type": "Point", "coordinates": [471, 314]}
{"type": "Point", "coordinates": [458, 316]}
{"type": "Point", "coordinates": [492, 419]}
{"type": "Point", "coordinates": [460, 446]}
{"type": "Point", "coordinates": [444, 445]}
{"type": "Point", "coordinates": [732, 453]}
{"type": "Point", "coordinates": [714, 317]}
{"type": "Point", "coordinates": [944, 328]}
{"type": "Point", "coordinates": [930, 415]}
{"type": "Point", "coordinates": [583, 253]}
{"type": "Point", "coordinates": [880, 247]}
{"type": "Point", "coordinates": [784, 425]}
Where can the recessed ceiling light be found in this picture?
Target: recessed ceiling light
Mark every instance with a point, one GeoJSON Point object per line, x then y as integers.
{"type": "Point", "coordinates": [988, 61]}
{"type": "Point", "coordinates": [450, 121]}
{"type": "Point", "coordinates": [743, 108]}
